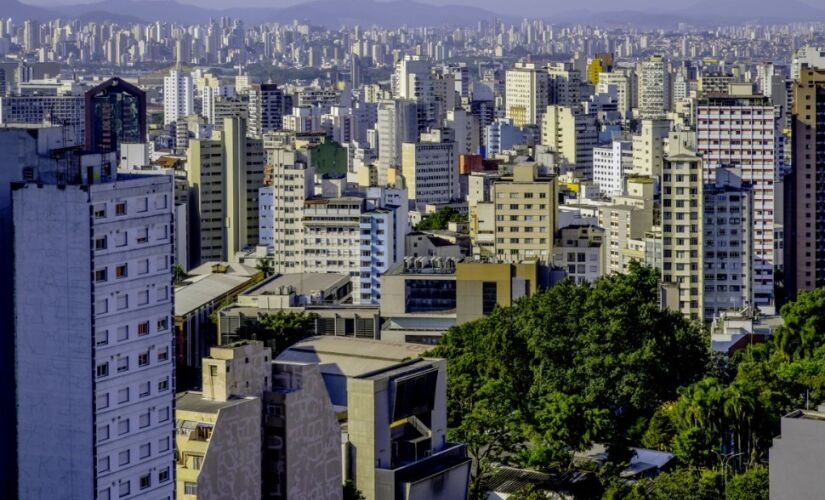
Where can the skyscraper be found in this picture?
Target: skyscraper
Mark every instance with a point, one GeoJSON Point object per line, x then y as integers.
{"type": "Point", "coordinates": [115, 113]}
{"type": "Point", "coordinates": [805, 186]}
{"type": "Point", "coordinates": [266, 108]}
{"type": "Point", "coordinates": [178, 101]}
{"type": "Point", "coordinates": [526, 94]}
{"type": "Point", "coordinates": [93, 333]}
{"type": "Point", "coordinates": [654, 88]}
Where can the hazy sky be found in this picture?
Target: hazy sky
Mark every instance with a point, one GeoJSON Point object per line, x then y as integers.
{"type": "Point", "coordinates": [526, 8]}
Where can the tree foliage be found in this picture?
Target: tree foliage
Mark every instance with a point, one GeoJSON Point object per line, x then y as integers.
{"type": "Point", "coordinates": [440, 219]}
{"type": "Point", "coordinates": [750, 485]}
{"type": "Point", "coordinates": [565, 368]}
{"type": "Point", "coordinates": [351, 492]}
{"type": "Point", "coordinates": [280, 330]}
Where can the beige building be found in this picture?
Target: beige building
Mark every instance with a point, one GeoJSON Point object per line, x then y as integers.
{"type": "Point", "coordinates": [525, 206]}
{"type": "Point", "coordinates": [526, 94]}
{"type": "Point", "coordinates": [572, 134]}
{"type": "Point", "coordinates": [225, 173]}
{"type": "Point", "coordinates": [649, 147]}
{"type": "Point", "coordinates": [430, 170]}
{"type": "Point", "coordinates": [682, 238]}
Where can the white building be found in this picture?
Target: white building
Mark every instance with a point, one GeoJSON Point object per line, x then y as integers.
{"type": "Point", "coordinates": [94, 336]}
{"type": "Point", "coordinates": [653, 88]}
{"type": "Point", "coordinates": [178, 96]}
{"type": "Point", "coordinates": [740, 130]}
{"type": "Point", "coordinates": [610, 165]}
{"type": "Point", "coordinates": [397, 124]}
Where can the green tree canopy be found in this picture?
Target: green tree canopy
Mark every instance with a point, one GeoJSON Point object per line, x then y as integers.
{"type": "Point", "coordinates": [280, 330]}
{"type": "Point", "coordinates": [440, 219]}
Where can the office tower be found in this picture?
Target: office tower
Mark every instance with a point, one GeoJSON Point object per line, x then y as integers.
{"type": "Point", "coordinates": [178, 100]}
{"type": "Point", "coordinates": [563, 84]}
{"type": "Point", "coordinates": [610, 166]}
{"type": "Point", "coordinates": [115, 113]}
{"type": "Point", "coordinates": [653, 88]}
{"type": "Point", "coordinates": [225, 173]}
{"type": "Point", "coordinates": [411, 79]}
{"type": "Point", "coordinates": [572, 134]}
{"type": "Point", "coordinates": [281, 206]}
{"type": "Point", "coordinates": [649, 147]}
{"type": "Point", "coordinates": [93, 334]}
{"type": "Point", "coordinates": [728, 249]}
{"type": "Point", "coordinates": [739, 129]}
{"type": "Point", "coordinates": [266, 108]}
{"type": "Point", "coordinates": [682, 231]}
{"type": "Point", "coordinates": [526, 94]}
{"type": "Point", "coordinates": [397, 124]}
{"type": "Point", "coordinates": [804, 197]}
{"type": "Point", "coordinates": [525, 214]}
{"type": "Point", "coordinates": [430, 170]}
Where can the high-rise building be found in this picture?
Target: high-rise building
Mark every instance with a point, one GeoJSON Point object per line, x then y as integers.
{"type": "Point", "coordinates": [225, 173]}
{"type": "Point", "coordinates": [178, 96]}
{"type": "Point", "coordinates": [649, 147]}
{"type": "Point", "coordinates": [804, 197]}
{"type": "Point", "coordinates": [526, 94]}
{"type": "Point", "coordinates": [572, 134]}
{"type": "Point", "coordinates": [430, 170]}
{"type": "Point", "coordinates": [682, 231]}
{"type": "Point", "coordinates": [115, 113]}
{"type": "Point", "coordinates": [563, 84]}
{"type": "Point", "coordinates": [653, 88]}
{"type": "Point", "coordinates": [93, 333]}
{"type": "Point", "coordinates": [611, 165]}
{"type": "Point", "coordinates": [397, 124]}
{"type": "Point", "coordinates": [728, 249]}
{"type": "Point", "coordinates": [266, 108]}
{"type": "Point", "coordinates": [64, 110]}
{"type": "Point", "coordinates": [740, 129]}
{"type": "Point", "coordinates": [526, 204]}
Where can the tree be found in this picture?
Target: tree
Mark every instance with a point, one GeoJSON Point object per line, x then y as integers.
{"type": "Point", "coordinates": [804, 325]}
{"type": "Point", "coordinates": [562, 369]}
{"type": "Point", "coordinates": [264, 266]}
{"type": "Point", "coordinates": [750, 485]}
{"type": "Point", "coordinates": [685, 484]}
{"type": "Point", "coordinates": [179, 274]}
{"type": "Point", "coordinates": [440, 219]}
{"type": "Point", "coordinates": [351, 492]}
{"type": "Point", "coordinates": [280, 330]}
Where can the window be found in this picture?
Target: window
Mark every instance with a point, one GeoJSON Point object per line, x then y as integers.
{"type": "Point", "coordinates": [101, 306]}
{"type": "Point", "coordinates": [142, 204]}
{"type": "Point", "coordinates": [123, 488]}
{"type": "Point", "coordinates": [163, 324]}
{"type": "Point", "coordinates": [163, 444]}
{"type": "Point", "coordinates": [197, 462]}
{"type": "Point", "coordinates": [123, 395]}
{"type": "Point", "coordinates": [122, 302]}
{"type": "Point", "coordinates": [163, 475]}
{"type": "Point", "coordinates": [163, 293]}
{"type": "Point", "coordinates": [123, 427]}
{"type": "Point", "coordinates": [103, 369]}
{"type": "Point", "coordinates": [120, 208]}
{"type": "Point", "coordinates": [143, 266]}
{"type": "Point", "coordinates": [122, 333]}
{"type": "Point", "coordinates": [121, 239]}
{"type": "Point", "coordinates": [100, 243]}
{"type": "Point", "coordinates": [100, 211]}
{"type": "Point", "coordinates": [102, 432]}
{"type": "Point", "coordinates": [145, 481]}
{"type": "Point", "coordinates": [102, 337]}
{"type": "Point", "coordinates": [102, 401]}
{"type": "Point", "coordinates": [103, 464]}
{"type": "Point", "coordinates": [143, 297]}
{"type": "Point", "coordinates": [190, 488]}
{"type": "Point", "coordinates": [488, 297]}
{"type": "Point", "coordinates": [143, 328]}
{"type": "Point", "coordinates": [143, 235]}
{"type": "Point", "coordinates": [123, 457]}
{"type": "Point", "coordinates": [121, 271]}
{"type": "Point", "coordinates": [122, 364]}
{"type": "Point", "coordinates": [103, 494]}
{"type": "Point", "coordinates": [144, 420]}
{"type": "Point", "coordinates": [163, 353]}
{"type": "Point", "coordinates": [163, 414]}
{"type": "Point", "coordinates": [144, 389]}
{"type": "Point", "coordinates": [100, 275]}
{"type": "Point", "coordinates": [145, 450]}
{"type": "Point", "coordinates": [143, 359]}
{"type": "Point", "coordinates": [163, 384]}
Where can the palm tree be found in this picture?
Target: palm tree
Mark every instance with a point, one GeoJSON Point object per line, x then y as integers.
{"type": "Point", "coordinates": [264, 265]}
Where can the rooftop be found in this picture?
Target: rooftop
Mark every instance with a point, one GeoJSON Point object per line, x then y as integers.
{"type": "Point", "coordinates": [196, 403]}
{"type": "Point", "coordinates": [204, 289]}
{"type": "Point", "coordinates": [301, 283]}
{"type": "Point", "coordinates": [351, 356]}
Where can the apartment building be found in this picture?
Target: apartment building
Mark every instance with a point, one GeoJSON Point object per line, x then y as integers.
{"type": "Point", "coordinates": [178, 96]}
{"type": "Point", "coordinates": [266, 109]}
{"type": "Point", "coordinates": [525, 205]}
{"type": "Point", "coordinates": [572, 134]}
{"type": "Point", "coordinates": [653, 87]}
{"type": "Point", "coordinates": [579, 252]}
{"type": "Point", "coordinates": [108, 330]}
{"type": "Point", "coordinates": [564, 84]}
{"type": "Point", "coordinates": [526, 94]}
{"type": "Point", "coordinates": [611, 165]}
{"type": "Point", "coordinates": [64, 110]}
{"type": "Point", "coordinates": [430, 170]}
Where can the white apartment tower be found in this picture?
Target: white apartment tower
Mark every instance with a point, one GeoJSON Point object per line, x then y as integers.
{"type": "Point", "coordinates": [610, 165]}
{"type": "Point", "coordinates": [178, 96]}
{"type": "Point", "coordinates": [741, 131]}
{"type": "Point", "coordinates": [94, 336]}
{"type": "Point", "coordinates": [654, 88]}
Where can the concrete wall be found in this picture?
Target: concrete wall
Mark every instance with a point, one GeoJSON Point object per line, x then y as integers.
{"type": "Point", "coordinates": [796, 459]}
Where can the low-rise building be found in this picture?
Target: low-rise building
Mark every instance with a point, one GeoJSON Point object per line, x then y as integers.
{"type": "Point", "coordinates": [797, 456]}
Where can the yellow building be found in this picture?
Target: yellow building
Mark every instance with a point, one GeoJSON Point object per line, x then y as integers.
{"type": "Point", "coordinates": [480, 286]}
{"type": "Point", "coordinates": [525, 207]}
